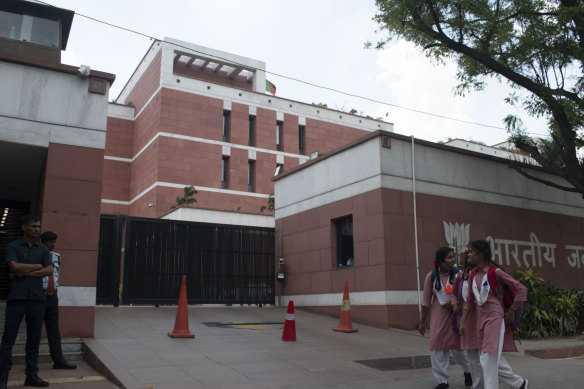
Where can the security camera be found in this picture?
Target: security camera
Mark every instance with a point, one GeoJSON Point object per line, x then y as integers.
{"type": "Point", "coordinates": [83, 71]}
{"type": "Point", "coordinates": [281, 261]}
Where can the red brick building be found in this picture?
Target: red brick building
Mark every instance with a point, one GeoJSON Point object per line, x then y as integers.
{"type": "Point", "coordinates": [191, 115]}
{"type": "Point", "coordinates": [374, 212]}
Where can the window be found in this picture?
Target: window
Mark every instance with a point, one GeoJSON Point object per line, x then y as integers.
{"type": "Point", "coordinates": [45, 32]}
{"type": "Point", "coordinates": [226, 125]}
{"type": "Point", "coordinates": [251, 133]}
{"type": "Point", "coordinates": [11, 25]}
{"type": "Point", "coordinates": [250, 176]}
{"type": "Point", "coordinates": [344, 244]}
{"type": "Point", "coordinates": [279, 135]}
{"type": "Point", "coordinates": [301, 140]}
{"type": "Point", "coordinates": [29, 29]}
{"type": "Point", "coordinates": [225, 172]}
{"type": "Point", "coordinates": [279, 169]}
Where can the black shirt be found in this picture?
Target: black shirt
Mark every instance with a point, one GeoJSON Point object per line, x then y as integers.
{"type": "Point", "coordinates": [27, 288]}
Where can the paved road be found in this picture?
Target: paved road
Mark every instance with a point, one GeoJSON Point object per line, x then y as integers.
{"type": "Point", "coordinates": [133, 345]}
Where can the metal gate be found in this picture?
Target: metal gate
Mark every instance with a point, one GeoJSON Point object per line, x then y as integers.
{"type": "Point", "coordinates": [108, 262]}
{"type": "Point", "coordinates": [223, 264]}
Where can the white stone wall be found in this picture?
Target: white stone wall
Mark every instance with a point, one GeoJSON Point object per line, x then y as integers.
{"type": "Point", "coordinates": [220, 217]}
{"type": "Point", "coordinates": [40, 106]}
{"type": "Point", "coordinates": [440, 172]}
{"type": "Point", "coordinates": [343, 175]}
{"type": "Point", "coordinates": [495, 151]}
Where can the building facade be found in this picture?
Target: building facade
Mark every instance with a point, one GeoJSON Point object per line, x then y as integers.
{"type": "Point", "coordinates": [194, 116]}
{"type": "Point", "coordinates": [50, 115]}
{"type": "Point", "coordinates": [374, 212]}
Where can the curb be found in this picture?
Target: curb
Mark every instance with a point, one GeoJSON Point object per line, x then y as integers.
{"type": "Point", "coordinates": [91, 358]}
{"type": "Point", "coordinates": [557, 353]}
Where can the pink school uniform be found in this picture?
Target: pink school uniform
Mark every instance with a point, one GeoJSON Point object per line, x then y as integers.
{"type": "Point", "coordinates": [471, 340]}
{"type": "Point", "coordinates": [491, 312]}
{"type": "Point", "coordinates": [443, 335]}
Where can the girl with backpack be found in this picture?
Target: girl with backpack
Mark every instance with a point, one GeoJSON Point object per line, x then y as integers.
{"type": "Point", "coordinates": [438, 288]}
{"type": "Point", "coordinates": [470, 342]}
{"type": "Point", "coordinates": [493, 337]}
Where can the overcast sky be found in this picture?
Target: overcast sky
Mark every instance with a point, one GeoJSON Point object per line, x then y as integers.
{"type": "Point", "coordinates": [317, 41]}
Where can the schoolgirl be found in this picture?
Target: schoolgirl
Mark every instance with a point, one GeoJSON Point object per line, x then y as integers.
{"type": "Point", "coordinates": [493, 337]}
{"type": "Point", "coordinates": [469, 343]}
{"type": "Point", "coordinates": [438, 288]}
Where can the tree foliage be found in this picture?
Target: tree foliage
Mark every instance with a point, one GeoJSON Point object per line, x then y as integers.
{"type": "Point", "coordinates": [550, 311]}
{"type": "Point", "coordinates": [271, 203]}
{"type": "Point", "coordinates": [535, 45]}
{"type": "Point", "coordinates": [188, 196]}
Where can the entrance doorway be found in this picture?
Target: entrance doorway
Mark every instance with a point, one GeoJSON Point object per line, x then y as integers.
{"type": "Point", "coordinates": [22, 178]}
{"type": "Point", "coordinates": [10, 214]}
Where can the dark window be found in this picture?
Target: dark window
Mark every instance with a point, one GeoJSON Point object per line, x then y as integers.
{"type": "Point", "coordinates": [11, 25]}
{"type": "Point", "coordinates": [301, 140]}
{"type": "Point", "coordinates": [226, 125]}
{"type": "Point", "coordinates": [344, 244]}
{"type": "Point", "coordinates": [45, 32]}
{"type": "Point", "coordinates": [279, 168]}
{"type": "Point", "coordinates": [251, 136]}
{"type": "Point", "coordinates": [250, 176]}
{"type": "Point", "coordinates": [225, 172]}
{"type": "Point", "coordinates": [279, 135]}
{"type": "Point", "coordinates": [29, 28]}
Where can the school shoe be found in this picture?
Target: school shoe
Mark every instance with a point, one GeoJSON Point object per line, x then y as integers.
{"type": "Point", "coordinates": [442, 386]}
{"type": "Point", "coordinates": [63, 364]}
{"type": "Point", "coordinates": [525, 384]}
{"type": "Point", "coordinates": [468, 380]}
{"type": "Point", "coordinates": [35, 380]}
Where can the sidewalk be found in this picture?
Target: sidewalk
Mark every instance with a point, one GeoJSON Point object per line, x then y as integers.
{"type": "Point", "coordinates": [84, 377]}
{"type": "Point", "coordinates": [136, 352]}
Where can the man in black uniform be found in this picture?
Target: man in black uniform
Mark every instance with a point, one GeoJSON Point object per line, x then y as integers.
{"type": "Point", "coordinates": [29, 261]}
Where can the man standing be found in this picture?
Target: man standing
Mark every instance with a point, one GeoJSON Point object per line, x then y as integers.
{"type": "Point", "coordinates": [50, 284]}
{"type": "Point", "coordinates": [28, 261]}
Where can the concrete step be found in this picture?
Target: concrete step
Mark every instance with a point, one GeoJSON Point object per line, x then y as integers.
{"type": "Point", "coordinates": [72, 350]}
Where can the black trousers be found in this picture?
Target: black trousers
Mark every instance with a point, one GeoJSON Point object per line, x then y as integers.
{"type": "Point", "coordinates": [34, 312]}
{"type": "Point", "coordinates": [52, 326]}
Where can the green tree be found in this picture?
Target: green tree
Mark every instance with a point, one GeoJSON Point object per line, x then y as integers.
{"type": "Point", "coordinates": [187, 197]}
{"type": "Point", "coordinates": [271, 202]}
{"type": "Point", "coordinates": [536, 45]}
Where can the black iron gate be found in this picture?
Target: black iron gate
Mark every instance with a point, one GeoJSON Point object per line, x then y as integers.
{"type": "Point", "coordinates": [223, 264]}
{"type": "Point", "coordinates": [108, 262]}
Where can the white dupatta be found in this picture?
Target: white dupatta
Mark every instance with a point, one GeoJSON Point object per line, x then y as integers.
{"type": "Point", "coordinates": [482, 294]}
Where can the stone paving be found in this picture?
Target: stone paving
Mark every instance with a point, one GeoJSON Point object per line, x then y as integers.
{"type": "Point", "coordinates": [241, 347]}
{"type": "Point", "coordinates": [133, 345]}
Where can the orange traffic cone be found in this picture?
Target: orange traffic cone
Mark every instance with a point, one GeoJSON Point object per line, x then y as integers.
{"type": "Point", "coordinates": [289, 333]}
{"type": "Point", "coordinates": [181, 324]}
{"type": "Point", "coordinates": [345, 322]}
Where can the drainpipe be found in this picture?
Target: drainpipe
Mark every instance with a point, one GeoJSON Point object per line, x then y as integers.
{"type": "Point", "coordinates": [416, 233]}
{"type": "Point", "coordinates": [279, 304]}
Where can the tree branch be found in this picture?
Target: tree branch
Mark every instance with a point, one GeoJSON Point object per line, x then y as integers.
{"type": "Point", "coordinates": [533, 151]}
{"type": "Point", "coordinates": [539, 90]}
{"type": "Point", "coordinates": [567, 94]}
{"type": "Point", "coordinates": [489, 36]}
{"type": "Point", "coordinates": [433, 45]}
{"type": "Point", "coordinates": [520, 170]}
{"type": "Point", "coordinates": [577, 18]}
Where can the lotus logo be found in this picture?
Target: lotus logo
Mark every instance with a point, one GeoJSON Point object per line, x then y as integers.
{"type": "Point", "coordinates": [457, 235]}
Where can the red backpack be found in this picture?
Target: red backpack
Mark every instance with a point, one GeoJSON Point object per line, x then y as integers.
{"type": "Point", "coordinates": [506, 295]}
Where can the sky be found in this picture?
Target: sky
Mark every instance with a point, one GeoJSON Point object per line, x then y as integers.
{"type": "Point", "coordinates": [317, 41]}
